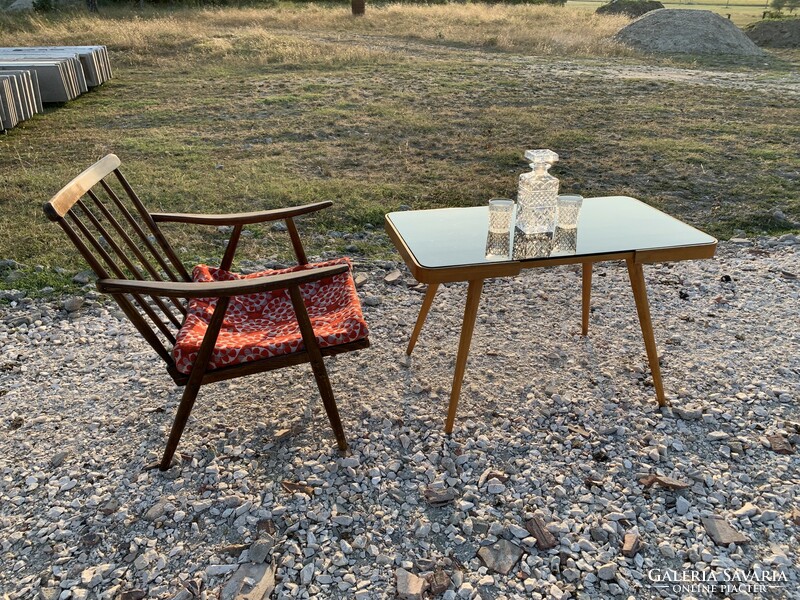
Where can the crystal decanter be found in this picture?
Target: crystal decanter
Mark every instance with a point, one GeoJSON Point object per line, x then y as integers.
{"type": "Point", "coordinates": [537, 195]}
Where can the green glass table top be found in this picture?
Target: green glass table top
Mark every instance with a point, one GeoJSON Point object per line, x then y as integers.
{"type": "Point", "coordinates": [451, 237]}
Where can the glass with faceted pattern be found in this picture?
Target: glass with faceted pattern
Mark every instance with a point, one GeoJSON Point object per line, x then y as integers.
{"type": "Point", "coordinates": [500, 213]}
{"type": "Point", "coordinates": [569, 208]}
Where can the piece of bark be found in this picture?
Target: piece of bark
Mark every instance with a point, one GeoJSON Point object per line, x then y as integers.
{"type": "Point", "coordinates": [438, 582]}
{"type": "Point", "coordinates": [795, 516]}
{"type": "Point", "coordinates": [579, 430]}
{"type": "Point", "coordinates": [544, 539]}
{"type": "Point", "coordinates": [439, 497]}
{"type": "Point", "coordinates": [780, 444]}
{"type": "Point", "coordinates": [266, 526]}
{"type": "Point", "coordinates": [667, 482]}
{"type": "Point", "coordinates": [282, 434]}
{"type": "Point", "coordinates": [592, 481]}
{"type": "Point", "coordinates": [491, 474]}
{"type": "Point", "coordinates": [292, 488]}
{"type": "Point", "coordinates": [721, 532]}
{"type": "Point", "coordinates": [234, 549]}
{"type": "Point", "coordinates": [631, 545]}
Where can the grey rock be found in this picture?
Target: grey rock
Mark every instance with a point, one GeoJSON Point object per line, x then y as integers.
{"type": "Point", "coordinates": [8, 264]}
{"type": "Point", "coordinates": [157, 511]}
{"type": "Point", "coordinates": [58, 458]}
{"type": "Point", "coordinates": [500, 557]}
{"type": "Point", "coordinates": [607, 572]}
{"type": "Point", "coordinates": [250, 582]}
{"type": "Point", "coordinates": [217, 570]}
{"type": "Point", "coordinates": [682, 506]}
{"type": "Point", "coordinates": [84, 277]}
{"type": "Point", "coordinates": [73, 303]}
{"type": "Point", "coordinates": [12, 295]}
{"type": "Point", "coordinates": [688, 414]}
{"type": "Point", "coordinates": [393, 277]}
{"type": "Point", "coordinates": [598, 534]}
{"type": "Point", "coordinates": [748, 510]}
{"type": "Point", "coordinates": [49, 593]}
{"type": "Point", "coordinates": [409, 586]}
{"type": "Point", "coordinates": [307, 573]}
{"type": "Point", "coordinates": [260, 549]}
{"type": "Point", "coordinates": [666, 550]}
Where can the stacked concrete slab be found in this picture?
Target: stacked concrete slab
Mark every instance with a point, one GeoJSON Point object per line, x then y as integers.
{"type": "Point", "coordinates": [31, 77]}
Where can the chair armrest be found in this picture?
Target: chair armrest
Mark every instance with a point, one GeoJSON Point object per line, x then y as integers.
{"type": "Point", "coordinates": [240, 218]}
{"type": "Point", "coordinates": [217, 289]}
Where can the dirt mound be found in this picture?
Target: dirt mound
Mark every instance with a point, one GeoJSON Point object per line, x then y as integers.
{"type": "Point", "coordinates": [686, 31]}
{"type": "Point", "coordinates": [21, 5]}
{"type": "Point", "coordinates": [632, 8]}
{"type": "Point", "coordinates": [775, 33]}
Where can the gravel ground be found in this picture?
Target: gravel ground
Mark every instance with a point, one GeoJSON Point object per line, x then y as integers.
{"type": "Point", "coordinates": [552, 429]}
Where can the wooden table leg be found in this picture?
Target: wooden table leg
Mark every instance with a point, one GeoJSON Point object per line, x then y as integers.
{"type": "Point", "coordinates": [423, 313]}
{"type": "Point", "coordinates": [587, 296]}
{"type": "Point", "coordinates": [643, 308]}
{"type": "Point", "coordinates": [467, 327]}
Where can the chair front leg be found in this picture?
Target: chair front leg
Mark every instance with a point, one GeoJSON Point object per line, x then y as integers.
{"type": "Point", "coordinates": [318, 366]}
{"type": "Point", "coordinates": [195, 381]}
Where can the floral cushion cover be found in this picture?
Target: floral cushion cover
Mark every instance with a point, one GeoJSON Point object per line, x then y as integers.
{"type": "Point", "coordinates": [263, 325]}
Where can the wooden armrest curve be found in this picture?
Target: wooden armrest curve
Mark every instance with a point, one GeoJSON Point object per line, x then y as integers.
{"type": "Point", "coordinates": [218, 289]}
{"type": "Point", "coordinates": [240, 218]}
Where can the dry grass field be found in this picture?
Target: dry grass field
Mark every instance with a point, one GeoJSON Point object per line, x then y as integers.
{"type": "Point", "coordinates": [230, 109]}
{"type": "Point", "coordinates": [741, 12]}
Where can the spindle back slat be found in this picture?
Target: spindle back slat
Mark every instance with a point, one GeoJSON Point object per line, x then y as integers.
{"type": "Point", "coordinates": [118, 238]}
{"type": "Point", "coordinates": [131, 245]}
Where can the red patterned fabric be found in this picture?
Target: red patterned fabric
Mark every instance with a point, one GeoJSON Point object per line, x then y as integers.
{"type": "Point", "coordinates": [262, 325]}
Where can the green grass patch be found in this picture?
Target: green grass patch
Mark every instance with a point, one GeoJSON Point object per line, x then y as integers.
{"type": "Point", "coordinates": [369, 118]}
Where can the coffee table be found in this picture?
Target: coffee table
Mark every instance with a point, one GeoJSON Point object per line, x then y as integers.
{"type": "Point", "coordinates": [450, 244]}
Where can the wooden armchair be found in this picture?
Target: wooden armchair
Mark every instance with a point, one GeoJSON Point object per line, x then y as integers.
{"type": "Point", "coordinates": [212, 325]}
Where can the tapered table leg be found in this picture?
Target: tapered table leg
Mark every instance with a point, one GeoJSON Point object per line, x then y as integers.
{"type": "Point", "coordinates": [587, 297]}
{"type": "Point", "coordinates": [423, 313]}
{"type": "Point", "coordinates": [643, 308]}
{"type": "Point", "coordinates": [467, 327]}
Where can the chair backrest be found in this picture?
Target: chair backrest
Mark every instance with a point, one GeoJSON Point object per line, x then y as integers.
{"type": "Point", "coordinates": [115, 234]}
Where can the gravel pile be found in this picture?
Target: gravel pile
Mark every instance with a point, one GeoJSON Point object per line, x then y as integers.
{"type": "Point", "coordinates": [562, 479]}
{"type": "Point", "coordinates": [632, 8]}
{"type": "Point", "coordinates": [687, 31]}
{"type": "Point", "coordinates": [775, 33]}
